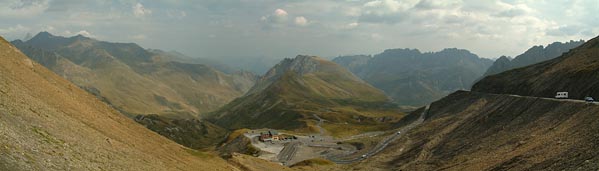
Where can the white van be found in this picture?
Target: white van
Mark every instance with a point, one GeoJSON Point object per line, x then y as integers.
{"type": "Point", "coordinates": [561, 95]}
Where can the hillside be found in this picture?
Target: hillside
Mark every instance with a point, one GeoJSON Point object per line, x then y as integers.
{"type": "Point", "coordinates": [413, 78]}
{"type": "Point", "coordinates": [575, 72]}
{"type": "Point", "coordinates": [192, 133]}
{"type": "Point", "coordinates": [295, 90]}
{"type": "Point", "coordinates": [479, 131]}
{"type": "Point", "coordinates": [48, 123]}
{"type": "Point", "coordinates": [135, 80]}
{"type": "Point", "coordinates": [506, 124]}
{"type": "Point", "coordinates": [533, 55]}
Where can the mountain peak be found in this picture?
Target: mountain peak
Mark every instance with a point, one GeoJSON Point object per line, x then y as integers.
{"type": "Point", "coordinates": [301, 64]}
{"type": "Point", "coordinates": [42, 36]}
{"type": "Point", "coordinates": [297, 88]}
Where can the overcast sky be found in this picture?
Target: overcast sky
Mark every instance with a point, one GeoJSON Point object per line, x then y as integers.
{"type": "Point", "coordinates": [285, 28]}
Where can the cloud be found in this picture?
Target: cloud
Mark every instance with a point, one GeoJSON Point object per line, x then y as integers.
{"type": "Point", "coordinates": [19, 29]}
{"type": "Point", "coordinates": [384, 11]}
{"type": "Point", "coordinates": [139, 10]}
{"type": "Point", "coordinates": [352, 25]}
{"type": "Point", "coordinates": [436, 4]}
{"type": "Point", "coordinates": [376, 36]}
{"type": "Point", "coordinates": [566, 30]}
{"type": "Point", "coordinates": [176, 14]}
{"type": "Point", "coordinates": [279, 16]}
{"type": "Point", "coordinates": [515, 10]}
{"type": "Point", "coordinates": [85, 33]}
{"type": "Point", "coordinates": [22, 8]}
{"type": "Point", "coordinates": [301, 21]}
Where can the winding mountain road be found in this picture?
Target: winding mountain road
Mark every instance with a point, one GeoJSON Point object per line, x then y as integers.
{"type": "Point", "coordinates": [383, 144]}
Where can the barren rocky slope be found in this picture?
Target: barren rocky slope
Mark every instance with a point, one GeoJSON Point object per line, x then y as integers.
{"type": "Point", "coordinates": [48, 123]}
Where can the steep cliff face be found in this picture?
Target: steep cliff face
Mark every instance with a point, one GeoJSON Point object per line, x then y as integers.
{"type": "Point", "coordinates": [576, 72]}
{"type": "Point", "coordinates": [294, 90]}
{"type": "Point", "coordinates": [533, 55]}
{"type": "Point", "coordinates": [480, 131]}
{"type": "Point", "coordinates": [48, 123]}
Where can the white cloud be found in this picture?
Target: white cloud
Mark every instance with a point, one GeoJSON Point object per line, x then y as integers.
{"type": "Point", "coordinates": [18, 29]}
{"type": "Point", "coordinates": [514, 10]}
{"type": "Point", "coordinates": [385, 11]}
{"type": "Point", "coordinates": [279, 16]}
{"type": "Point", "coordinates": [22, 8]}
{"type": "Point", "coordinates": [376, 36]}
{"type": "Point", "coordinates": [179, 14]}
{"type": "Point", "coordinates": [348, 26]}
{"type": "Point", "coordinates": [301, 21]}
{"type": "Point", "coordinates": [48, 28]}
{"type": "Point", "coordinates": [85, 33]}
{"type": "Point", "coordinates": [139, 10]}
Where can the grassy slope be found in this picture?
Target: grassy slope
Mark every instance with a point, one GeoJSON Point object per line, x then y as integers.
{"type": "Point", "coordinates": [291, 100]}
{"type": "Point", "coordinates": [126, 75]}
{"type": "Point", "coordinates": [48, 123]}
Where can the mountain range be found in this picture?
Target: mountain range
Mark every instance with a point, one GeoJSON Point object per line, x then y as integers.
{"type": "Point", "coordinates": [533, 55]}
{"type": "Point", "coordinates": [296, 92]}
{"type": "Point", "coordinates": [48, 123]}
{"type": "Point", "coordinates": [135, 80]}
{"type": "Point", "coordinates": [414, 78]}
{"type": "Point", "coordinates": [510, 121]}
{"type": "Point", "coordinates": [575, 72]}
{"type": "Point", "coordinates": [76, 103]}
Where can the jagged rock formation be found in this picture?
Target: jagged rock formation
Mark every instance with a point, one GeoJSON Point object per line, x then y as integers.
{"type": "Point", "coordinates": [413, 78]}
{"type": "Point", "coordinates": [135, 80]}
{"type": "Point", "coordinates": [533, 55]}
{"type": "Point", "coordinates": [293, 91]}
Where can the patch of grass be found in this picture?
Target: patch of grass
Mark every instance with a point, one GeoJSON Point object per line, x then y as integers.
{"type": "Point", "coordinates": [251, 150]}
{"type": "Point", "coordinates": [47, 137]}
{"type": "Point", "coordinates": [344, 130]}
{"type": "Point", "coordinates": [199, 154]}
{"type": "Point", "coordinates": [236, 134]}
{"type": "Point", "coordinates": [313, 162]}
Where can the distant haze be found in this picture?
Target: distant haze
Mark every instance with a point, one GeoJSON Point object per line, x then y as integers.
{"type": "Point", "coordinates": [285, 28]}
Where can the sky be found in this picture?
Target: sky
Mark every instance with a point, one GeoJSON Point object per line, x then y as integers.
{"type": "Point", "coordinates": [328, 28]}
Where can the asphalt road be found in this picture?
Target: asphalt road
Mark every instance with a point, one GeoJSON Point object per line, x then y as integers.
{"type": "Point", "coordinates": [554, 99]}
{"type": "Point", "coordinates": [383, 144]}
{"type": "Point", "coordinates": [288, 152]}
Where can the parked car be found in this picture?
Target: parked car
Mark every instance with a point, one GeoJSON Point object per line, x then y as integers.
{"type": "Point", "coordinates": [364, 156]}
{"type": "Point", "coordinates": [589, 99]}
{"type": "Point", "coordinates": [398, 132]}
